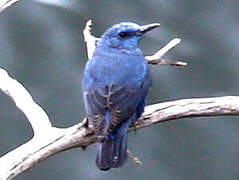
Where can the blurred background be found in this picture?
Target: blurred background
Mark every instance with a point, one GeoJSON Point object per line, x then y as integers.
{"type": "Point", "coordinates": [42, 46]}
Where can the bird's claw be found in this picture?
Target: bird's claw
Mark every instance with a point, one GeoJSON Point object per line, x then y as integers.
{"type": "Point", "coordinates": [83, 148]}
{"type": "Point", "coordinates": [100, 138]}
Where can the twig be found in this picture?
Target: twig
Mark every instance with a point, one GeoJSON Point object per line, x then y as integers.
{"type": "Point", "coordinates": [134, 158]}
{"type": "Point", "coordinates": [167, 62]}
{"type": "Point", "coordinates": [6, 3]}
{"type": "Point", "coordinates": [90, 40]}
{"type": "Point", "coordinates": [156, 59]}
{"type": "Point", "coordinates": [159, 54]}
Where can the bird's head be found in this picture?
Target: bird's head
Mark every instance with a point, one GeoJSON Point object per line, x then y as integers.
{"type": "Point", "coordinates": [125, 35]}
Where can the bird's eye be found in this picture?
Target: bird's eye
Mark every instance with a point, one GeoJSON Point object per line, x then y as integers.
{"type": "Point", "coordinates": [123, 34]}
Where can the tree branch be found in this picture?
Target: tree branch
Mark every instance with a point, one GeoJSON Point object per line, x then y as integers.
{"type": "Point", "coordinates": [189, 108]}
{"type": "Point", "coordinates": [6, 3]}
{"type": "Point", "coordinates": [35, 114]}
{"type": "Point", "coordinates": [157, 59]}
{"type": "Point", "coordinates": [54, 140]}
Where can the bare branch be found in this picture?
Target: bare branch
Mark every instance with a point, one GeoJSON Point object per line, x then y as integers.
{"type": "Point", "coordinates": [159, 54]}
{"type": "Point", "coordinates": [189, 108]}
{"type": "Point", "coordinates": [167, 62]}
{"type": "Point", "coordinates": [135, 159]}
{"type": "Point", "coordinates": [34, 113]}
{"type": "Point", "coordinates": [40, 147]}
{"type": "Point", "coordinates": [6, 3]}
{"type": "Point", "coordinates": [59, 140]}
{"type": "Point", "coordinates": [90, 40]}
{"type": "Point", "coordinates": [156, 59]}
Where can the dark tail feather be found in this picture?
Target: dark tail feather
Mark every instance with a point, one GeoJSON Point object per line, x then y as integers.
{"type": "Point", "coordinates": [113, 153]}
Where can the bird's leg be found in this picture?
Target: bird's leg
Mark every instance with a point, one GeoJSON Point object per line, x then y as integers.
{"type": "Point", "coordinates": [134, 127]}
{"type": "Point", "coordinates": [100, 138]}
{"type": "Point", "coordinates": [107, 136]}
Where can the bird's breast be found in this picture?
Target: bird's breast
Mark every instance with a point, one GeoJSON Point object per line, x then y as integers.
{"type": "Point", "coordinates": [118, 69]}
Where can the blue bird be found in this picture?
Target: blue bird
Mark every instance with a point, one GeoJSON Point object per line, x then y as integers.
{"type": "Point", "coordinates": [115, 85]}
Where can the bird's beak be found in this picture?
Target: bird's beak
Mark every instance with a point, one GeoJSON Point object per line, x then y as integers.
{"type": "Point", "coordinates": [149, 27]}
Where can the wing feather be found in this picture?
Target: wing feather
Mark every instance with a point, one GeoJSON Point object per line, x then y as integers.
{"type": "Point", "coordinates": [121, 101]}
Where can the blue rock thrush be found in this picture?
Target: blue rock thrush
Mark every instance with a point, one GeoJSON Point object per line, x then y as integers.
{"type": "Point", "coordinates": [116, 83]}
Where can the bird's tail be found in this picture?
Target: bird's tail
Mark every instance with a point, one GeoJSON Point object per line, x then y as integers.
{"type": "Point", "coordinates": [112, 152]}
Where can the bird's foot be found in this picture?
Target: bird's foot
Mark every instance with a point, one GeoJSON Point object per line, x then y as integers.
{"type": "Point", "coordinates": [100, 139]}
{"type": "Point", "coordinates": [108, 137]}
{"type": "Point", "coordinates": [134, 127]}
{"type": "Point", "coordinates": [83, 148]}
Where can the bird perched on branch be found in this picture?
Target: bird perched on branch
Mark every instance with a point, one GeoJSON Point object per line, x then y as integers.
{"type": "Point", "coordinates": [115, 85]}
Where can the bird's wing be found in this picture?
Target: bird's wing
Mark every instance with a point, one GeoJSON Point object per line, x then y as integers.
{"type": "Point", "coordinates": [120, 100]}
